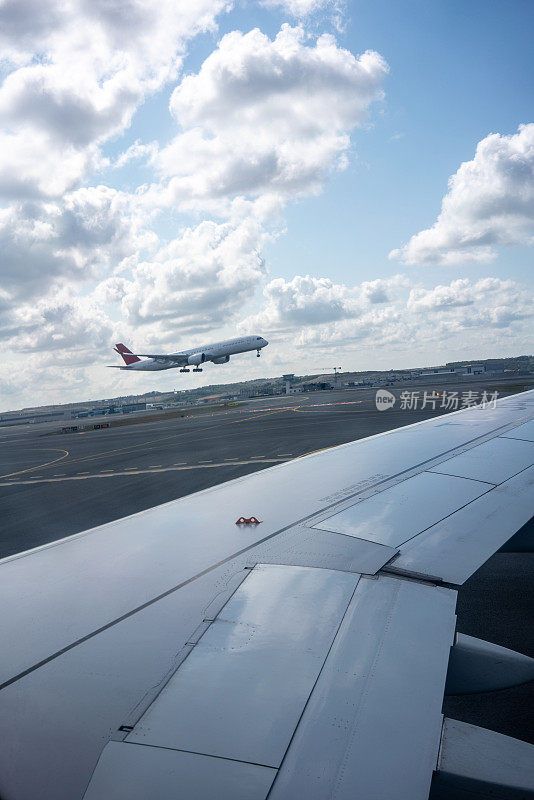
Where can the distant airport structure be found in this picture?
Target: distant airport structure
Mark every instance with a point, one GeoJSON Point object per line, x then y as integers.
{"type": "Point", "coordinates": [515, 368]}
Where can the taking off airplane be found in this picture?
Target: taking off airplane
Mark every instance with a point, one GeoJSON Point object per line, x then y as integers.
{"type": "Point", "coordinates": [217, 353]}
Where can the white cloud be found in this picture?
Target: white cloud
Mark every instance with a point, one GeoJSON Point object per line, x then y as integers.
{"type": "Point", "coordinates": [486, 303]}
{"type": "Point", "coordinates": [76, 73]}
{"type": "Point", "coordinates": [33, 164]}
{"type": "Point", "coordinates": [312, 13]}
{"type": "Point", "coordinates": [381, 290]}
{"type": "Point", "coordinates": [90, 230]}
{"type": "Point", "coordinates": [38, 380]}
{"type": "Point", "coordinates": [490, 202]}
{"type": "Point", "coordinates": [195, 281]}
{"type": "Point", "coordinates": [137, 152]}
{"type": "Point", "coordinates": [303, 8]}
{"type": "Point", "coordinates": [67, 327]}
{"type": "Point", "coordinates": [267, 116]}
{"type": "Point", "coordinates": [192, 285]}
{"type": "Point", "coordinates": [317, 313]}
{"type": "Point", "coordinates": [309, 301]}
{"type": "Point", "coordinates": [304, 300]}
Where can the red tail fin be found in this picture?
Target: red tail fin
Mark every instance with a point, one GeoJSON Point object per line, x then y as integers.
{"type": "Point", "coordinates": [126, 354]}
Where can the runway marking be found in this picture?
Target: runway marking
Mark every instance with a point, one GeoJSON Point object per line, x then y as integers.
{"type": "Point", "coordinates": [300, 407]}
{"type": "Point", "coordinates": [109, 474]}
{"type": "Point", "coordinates": [154, 466]}
{"type": "Point", "coordinates": [157, 441]}
{"type": "Point", "coordinates": [40, 466]}
{"type": "Point", "coordinates": [229, 461]}
{"type": "Point", "coordinates": [332, 410]}
{"type": "Point", "coordinates": [259, 416]}
{"type": "Point", "coordinates": [99, 455]}
{"type": "Point", "coordinates": [182, 434]}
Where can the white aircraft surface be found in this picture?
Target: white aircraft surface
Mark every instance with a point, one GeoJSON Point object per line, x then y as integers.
{"type": "Point", "coordinates": [217, 353]}
{"type": "Point", "coordinates": [175, 653]}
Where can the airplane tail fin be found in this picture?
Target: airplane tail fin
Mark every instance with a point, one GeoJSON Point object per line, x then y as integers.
{"type": "Point", "coordinates": [127, 355]}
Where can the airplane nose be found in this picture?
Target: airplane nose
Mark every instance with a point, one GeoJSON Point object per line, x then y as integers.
{"type": "Point", "coordinates": [265, 342]}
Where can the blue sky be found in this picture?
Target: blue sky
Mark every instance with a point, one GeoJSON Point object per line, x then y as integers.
{"type": "Point", "coordinates": [458, 72]}
{"type": "Point", "coordinates": [283, 183]}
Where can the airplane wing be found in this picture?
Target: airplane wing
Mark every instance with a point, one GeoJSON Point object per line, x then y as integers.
{"type": "Point", "coordinates": [174, 653]}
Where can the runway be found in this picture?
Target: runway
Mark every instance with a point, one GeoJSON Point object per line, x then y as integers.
{"type": "Point", "coordinates": [52, 486]}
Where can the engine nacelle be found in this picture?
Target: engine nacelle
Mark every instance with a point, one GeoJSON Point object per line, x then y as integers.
{"type": "Point", "coordinates": [221, 360]}
{"type": "Point", "coordinates": [196, 359]}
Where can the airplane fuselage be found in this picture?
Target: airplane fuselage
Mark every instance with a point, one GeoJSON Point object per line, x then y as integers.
{"type": "Point", "coordinates": [216, 352]}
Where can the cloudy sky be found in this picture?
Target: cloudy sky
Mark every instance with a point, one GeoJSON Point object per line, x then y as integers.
{"type": "Point", "coordinates": [353, 181]}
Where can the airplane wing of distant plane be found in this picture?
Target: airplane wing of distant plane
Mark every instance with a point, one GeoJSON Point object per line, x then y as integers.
{"type": "Point", "coordinates": [174, 653]}
{"type": "Point", "coordinates": [177, 357]}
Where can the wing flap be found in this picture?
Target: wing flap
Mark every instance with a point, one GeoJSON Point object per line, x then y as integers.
{"type": "Point", "coordinates": [456, 547]}
{"type": "Point", "coordinates": [334, 682]}
{"type": "Point", "coordinates": [279, 624]}
{"type": "Point", "coordinates": [152, 773]}
{"type": "Point", "coordinates": [399, 513]}
{"type": "Point", "coordinates": [494, 461]}
{"type": "Point", "coordinates": [372, 726]}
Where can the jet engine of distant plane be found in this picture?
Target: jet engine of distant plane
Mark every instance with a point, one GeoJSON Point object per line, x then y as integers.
{"type": "Point", "coordinates": [221, 360]}
{"type": "Point", "coordinates": [196, 359]}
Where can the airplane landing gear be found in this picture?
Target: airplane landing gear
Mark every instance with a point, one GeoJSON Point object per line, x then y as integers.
{"type": "Point", "coordinates": [185, 370]}
{"type": "Point", "coordinates": [258, 354]}
{"type": "Point", "coordinates": [196, 369]}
